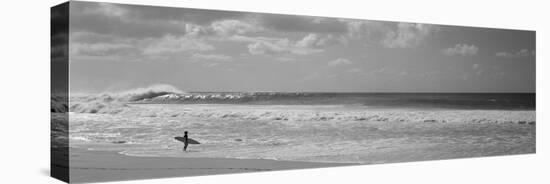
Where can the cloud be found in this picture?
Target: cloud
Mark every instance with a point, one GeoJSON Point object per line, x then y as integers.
{"type": "Point", "coordinates": [99, 49]}
{"type": "Point", "coordinates": [88, 45]}
{"type": "Point", "coordinates": [520, 53]}
{"type": "Point", "coordinates": [477, 69]}
{"type": "Point", "coordinates": [275, 46]}
{"type": "Point", "coordinates": [102, 29]}
{"type": "Point", "coordinates": [332, 31]}
{"type": "Point", "coordinates": [309, 44]}
{"type": "Point", "coordinates": [113, 19]}
{"type": "Point", "coordinates": [268, 47]}
{"type": "Point", "coordinates": [210, 65]}
{"type": "Point", "coordinates": [197, 30]}
{"type": "Point", "coordinates": [461, 50]}
{"type": "Point", "coordinates": [211, 57]}
{"type": "Point", "coordinates": [108, 9]}
{"type": "Point", "coordinates": [223, 29]}
{"type": "Point", "coordinates": [357, 27]}
{"type": "Point", "coordinates": [389, 34]}
{"type": "Point", "coordinates": [339, 61]}
{"type": "Point", "coordinates": [408, 35]}
{"type": "Point", "coordinates": [167, 33]}
{"type": "Point", "coordinates": [232, 27]}
{"type": "Point", "coordinates": [175, 44]}
{"type": "Point", "coordinates": [310, 40]}
{"type": "Point", "coordinates": [144, 21]}
{"type": "Point", "coordinates": [315, 40]}
{"type": "Point", "coordinates": [371, 31]}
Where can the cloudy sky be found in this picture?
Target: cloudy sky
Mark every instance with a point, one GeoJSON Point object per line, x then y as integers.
{"type": "Point", "coordinates": [116, 47]}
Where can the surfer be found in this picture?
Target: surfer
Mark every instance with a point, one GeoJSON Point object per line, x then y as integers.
{"type": "Point", "coordinates": [186, 142]}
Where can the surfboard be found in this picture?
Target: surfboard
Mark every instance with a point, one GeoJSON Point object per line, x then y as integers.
{"type": "Point", "coordinates": [190, 141]}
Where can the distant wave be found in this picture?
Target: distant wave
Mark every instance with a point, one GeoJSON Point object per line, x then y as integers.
{"type": "Point", "coordinates": [139, 94]}
{"type": "Point", "coordinates": [336, 114]}
{"type": "Point", "coordinates": [234, 97]}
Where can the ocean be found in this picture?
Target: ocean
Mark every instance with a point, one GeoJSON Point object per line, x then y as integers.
{"type": "Point", "coordinates": [512, 101]}
{"type": "Point", "coordinates": [317, 127]}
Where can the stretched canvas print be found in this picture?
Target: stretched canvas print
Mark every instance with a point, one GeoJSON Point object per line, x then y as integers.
{"type": "Point", "coordinates": [142, 92]}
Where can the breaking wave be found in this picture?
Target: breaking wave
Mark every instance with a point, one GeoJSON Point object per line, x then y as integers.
{"type": "Point", "coordinates": [165, 94]}
{"type": "Point", "coordinates": [115, 102]}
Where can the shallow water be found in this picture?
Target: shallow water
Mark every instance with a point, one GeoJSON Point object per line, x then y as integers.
{"type": "Point", "coordinates": [320, 133]}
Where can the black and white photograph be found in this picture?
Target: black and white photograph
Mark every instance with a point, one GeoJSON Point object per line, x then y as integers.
{"type": "Point", "coordinates": [143, 92]}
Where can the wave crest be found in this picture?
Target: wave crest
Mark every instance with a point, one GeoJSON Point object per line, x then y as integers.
{"type": "Point", "coordinates": [115, 102]}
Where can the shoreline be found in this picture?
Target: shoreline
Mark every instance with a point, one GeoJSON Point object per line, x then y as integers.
{"type": "Point", "coordinates": [102, 166]}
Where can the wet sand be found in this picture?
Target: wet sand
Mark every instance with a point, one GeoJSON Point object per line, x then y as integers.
{"type": "Point", "coordinates": [101, 166]}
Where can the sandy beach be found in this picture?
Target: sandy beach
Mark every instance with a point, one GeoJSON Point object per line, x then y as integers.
{"type": "Point", "coordinates": [101, 166]}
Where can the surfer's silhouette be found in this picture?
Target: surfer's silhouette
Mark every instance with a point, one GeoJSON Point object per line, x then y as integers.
{"type": "Point", "coordinates": [186, 142]}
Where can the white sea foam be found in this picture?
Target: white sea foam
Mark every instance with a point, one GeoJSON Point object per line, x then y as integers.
{"type": "Point", "coordinates": [79, 138]}
{"type": "Point", "coordinates": [296, 113]}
